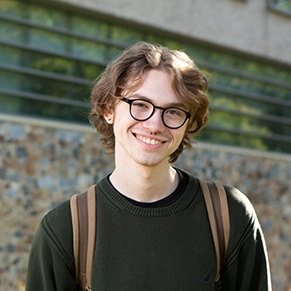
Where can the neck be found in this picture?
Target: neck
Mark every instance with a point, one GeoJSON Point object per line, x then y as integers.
{"type": "Point", "coordinates": [145, 184]}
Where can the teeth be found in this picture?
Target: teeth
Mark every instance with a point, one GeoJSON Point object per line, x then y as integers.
{"type": "Point", "coordinates": [148, 140]}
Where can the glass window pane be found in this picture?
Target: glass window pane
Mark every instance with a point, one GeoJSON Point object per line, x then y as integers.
{"type": "Point", "coordinates": [283, 4]}
{"type": "Point", "coordinates": [10, 81]}
{"type": "Point", "coordinates": [88, 50]}
{"type": "Point", "coordinates": [10, 56]}
{"type": "Point", "coordinates": [249, 85]}
{"type": "Point", "coordinates": [125, 35]}
{"type": "Point", "coordinates": [43, 15]}
{"type": "Point", "coordinates": [27, 83]}
{"type": "Point", "coordinates": [49, 17]}
{"type": "Point", "coordinates": [14, 8]}
{"type": "Point", "coordinates": [90, 27]}
{"type": "Point", "coordinates": [12, 32]}
{"type": "Point", "coordinates": [234, 121]}
{"type": "Point", "coordinates": [38, 108]}
{"type": "Point", "coordinates": [237, 63]}
{"type": "Point", "coordinates": [47, 40]}
{"type": "Point", "coordinates": [48, 63]}
{"type": "Point", "coordinates": [10, 104]}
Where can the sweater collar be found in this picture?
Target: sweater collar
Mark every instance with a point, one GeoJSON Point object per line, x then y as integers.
{"type": "Point", "coordinates": [106, 190]}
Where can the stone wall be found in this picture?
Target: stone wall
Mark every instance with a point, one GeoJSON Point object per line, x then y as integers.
{"type": "Point", "coordinates": [44, 163]}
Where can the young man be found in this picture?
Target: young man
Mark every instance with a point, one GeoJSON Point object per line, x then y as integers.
{"type": "Point", "coordinates": [153, 230]}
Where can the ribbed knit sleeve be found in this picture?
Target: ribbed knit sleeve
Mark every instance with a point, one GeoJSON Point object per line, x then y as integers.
{"type": "Point", "coordinates": [51, 265]}
{"type": "Point", "coordinates": [247, 266]}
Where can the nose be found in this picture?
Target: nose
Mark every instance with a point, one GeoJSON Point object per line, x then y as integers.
{"type": "Point", "coordinates": [155, 123]}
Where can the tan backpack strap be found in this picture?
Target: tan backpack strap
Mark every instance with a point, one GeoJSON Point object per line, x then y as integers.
{"type": "Point", "coordinates": [225, 216]}
{"type": "Point", "coordinates": [83, 211]}
{"type": "Point", "coordinates": [218, 213]}
{"type": "Point", "coordinates": [91, 233]}
{"type": "Point", "coordinates": [75, 224]}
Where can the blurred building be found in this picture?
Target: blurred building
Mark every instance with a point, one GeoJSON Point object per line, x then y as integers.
{"type": "Point", "coordinates": [52, 51]}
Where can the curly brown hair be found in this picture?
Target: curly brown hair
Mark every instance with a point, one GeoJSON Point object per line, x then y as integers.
{"type": "Point", "coordinates": [126, 74]}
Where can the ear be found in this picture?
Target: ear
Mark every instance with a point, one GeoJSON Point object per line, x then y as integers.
{"type": "Point", "coordinates": [109, 117]}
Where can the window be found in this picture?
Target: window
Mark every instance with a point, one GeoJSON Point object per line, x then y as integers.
{"type": "Point", "coordinates": [282, 6]}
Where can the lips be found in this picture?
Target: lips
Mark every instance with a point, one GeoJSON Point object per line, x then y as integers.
{"type": "Point", "coordinates": [148, 140]}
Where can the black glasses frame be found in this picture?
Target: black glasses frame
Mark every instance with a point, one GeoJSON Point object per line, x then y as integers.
{"type": "Point", "coordinates": [130, 101]}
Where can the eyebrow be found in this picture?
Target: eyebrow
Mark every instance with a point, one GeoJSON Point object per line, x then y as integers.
{"type": "Point", "coordinates": [172, 104]}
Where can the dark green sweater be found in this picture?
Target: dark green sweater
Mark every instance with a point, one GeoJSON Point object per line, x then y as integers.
{"type": "Point", "coordinates": [152, 249]}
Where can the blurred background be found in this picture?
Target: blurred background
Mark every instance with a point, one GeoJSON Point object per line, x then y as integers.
{"type": "Point", "coordinates": [52, 51]}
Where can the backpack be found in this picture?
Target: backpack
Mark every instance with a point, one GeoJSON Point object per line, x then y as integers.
{"type": "Point", "coordinates": [83, 212]}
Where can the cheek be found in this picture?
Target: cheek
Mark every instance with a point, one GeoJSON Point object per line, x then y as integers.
{"type": "Point", "coordinates": [122, 120]}
{"type": "Point", "coordinates": [182, 133]}
{"type": "Point", "coordinates": [180, 138]}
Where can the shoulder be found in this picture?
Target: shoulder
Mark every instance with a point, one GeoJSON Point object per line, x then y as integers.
{"type": "Point", "coordinates": [239, 204]}
{"type": "Point", "coordinates": [244, 224]}
{"type": "Point", "coordinates": [53, 238]}
{"type": "Point", "coordinates": [59, 217]}
{"type": "Point", "coordinates": [57, 226]}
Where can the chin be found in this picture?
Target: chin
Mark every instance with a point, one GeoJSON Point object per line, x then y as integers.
{"type": "Point", "coordinates": [150, 161]}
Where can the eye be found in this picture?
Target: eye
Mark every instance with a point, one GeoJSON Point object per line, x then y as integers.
{"type": "Point", "coordinates": [141, 105]}
{"type": "Point", "coordinates": [174, 112]}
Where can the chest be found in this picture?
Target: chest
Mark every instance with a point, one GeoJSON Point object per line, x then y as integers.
{"type": "Point", "coordinates": [171, 252]}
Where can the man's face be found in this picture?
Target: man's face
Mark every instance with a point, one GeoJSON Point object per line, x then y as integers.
{"type": "Point", "coordinates": [150, 142]}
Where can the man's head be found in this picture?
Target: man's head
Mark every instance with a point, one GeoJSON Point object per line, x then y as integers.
{"type": "Point", "coordinates": [125, 75]}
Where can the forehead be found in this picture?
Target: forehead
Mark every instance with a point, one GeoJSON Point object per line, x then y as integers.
{"type": "Point", "coordinates": [152, 80]}
{"type": "Point", "coordinates": [156, 85]}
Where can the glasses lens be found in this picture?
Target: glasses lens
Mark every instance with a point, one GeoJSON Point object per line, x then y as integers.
{"type": "Point", "coordinates": [141, 109]}
{"type": "Point", "coordinates": [174, 117]}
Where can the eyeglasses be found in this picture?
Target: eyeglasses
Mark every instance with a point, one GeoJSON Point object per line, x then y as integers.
{"type": "Point", "coordinates": [142, 110]}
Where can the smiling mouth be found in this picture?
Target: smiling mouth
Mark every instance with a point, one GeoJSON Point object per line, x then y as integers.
{"type": "Point", "coordinates": [148, 140]}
